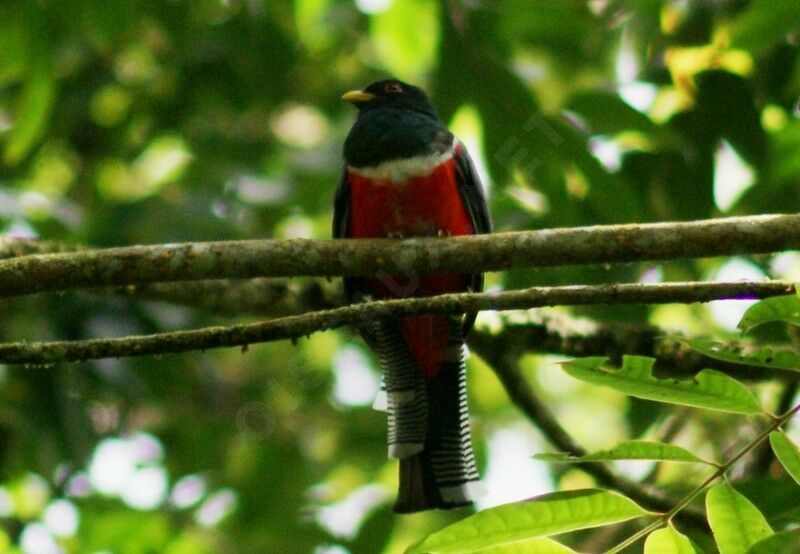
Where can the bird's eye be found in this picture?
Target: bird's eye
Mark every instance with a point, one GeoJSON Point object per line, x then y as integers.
{"type": "Point", "coordinates": [392, 87]}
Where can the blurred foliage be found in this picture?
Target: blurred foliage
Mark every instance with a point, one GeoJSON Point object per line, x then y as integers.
{"type": "Point", "coordinates": [146, 122]}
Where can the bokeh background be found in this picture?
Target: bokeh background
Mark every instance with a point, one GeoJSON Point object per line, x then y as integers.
{"type": "Point", "coordinates": [148, 122]}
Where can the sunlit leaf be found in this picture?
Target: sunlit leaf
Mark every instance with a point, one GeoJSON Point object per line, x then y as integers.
{"type": "Point", "coordinates": [125, 530]}
{"type": "Point", "coordinates": [32, 112]}
{"type": "Point", "coordinates": [191, 540]}
{"type": "Point", "coordinates": [163, 161]}
{"type": "Point", "coordinates": [629, 450]}
{"type": "Point", "coordinates": [765, 23]}
{"type": "Point", "coordinates": [314, 28]}
{"type": "Point", "coordinates": [14, 43]}
{"type": "Point", "coordinates": [735, 521]}
{"type": "Point", "coordinates": [746, 353]}
{"type": "Point", "coordinates": [538, 517]}
{"type": "Point", "coordinates": [536, 545]}
{"type": "Point", "coordinates": [30, 494]}
{"type": "Point", "coordinates": [787, 453]}
{"type": "Point", "coordinates": [540, 545]}
{"type": "Point", "coordinates": [786, 149]}
{"type": "Point", "coordinates": [787, 541]}
{"type": "Point", "coordinates": [668, 541]}
{"type": "Point", "coordinates": [109, 105]}
{"type": "Point", "coordinates": [708, 389]}
{"type": "Point", "coordinates": [779, 308]}
{"type": "Point", "coordinates": [405, 37]}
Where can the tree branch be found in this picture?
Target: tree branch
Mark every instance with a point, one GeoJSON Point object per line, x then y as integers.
{"type": "Point", "coordinates": [264, 297]}
{"type": "Point", "coordinates": [559, 333]}
{"type": "Point", "coordinates": [499, 251]}
{"type": "Point", "coordinates": [505, 363]}
{"type": "Point", "coordinates": [293, 327]}
{"type": "Point", "coordinates": [12, 247]}
{"type": "Point", "coordinates": [539, 332]}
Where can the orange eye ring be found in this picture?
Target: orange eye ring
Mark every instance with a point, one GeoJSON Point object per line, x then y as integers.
{"type": "Point", "coordinates": [392, 88]}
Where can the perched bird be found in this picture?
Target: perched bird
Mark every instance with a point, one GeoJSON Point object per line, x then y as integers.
{"type": "Point", "coordinates": [406, 175]}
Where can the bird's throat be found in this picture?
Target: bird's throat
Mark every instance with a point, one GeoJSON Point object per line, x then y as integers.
{"type": "Point", "coordinates": [400, 171]}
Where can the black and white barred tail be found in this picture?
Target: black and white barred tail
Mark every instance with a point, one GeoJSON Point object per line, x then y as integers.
{"type": "Point", "coordinates": [429, 429]}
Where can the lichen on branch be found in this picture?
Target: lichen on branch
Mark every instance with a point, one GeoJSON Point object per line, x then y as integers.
{"type": "Point", "coordinates": [297, 326]}
{"type": "Point", "coordinates": [500, 251]}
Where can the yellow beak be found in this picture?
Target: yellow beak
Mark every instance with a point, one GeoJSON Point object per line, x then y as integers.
{"type": "Point", "coordinates": [357, 97]}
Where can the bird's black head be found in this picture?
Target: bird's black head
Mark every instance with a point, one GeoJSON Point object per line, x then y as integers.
{"type": "Point", "coordinates": [390, 93]}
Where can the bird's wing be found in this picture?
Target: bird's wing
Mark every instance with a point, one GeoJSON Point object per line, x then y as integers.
{"type": "Point", "coordinates": [469, 186]}
{"type": "Point", "coordinates": [354, 287]}
{"type": "Point", "coordinates": [341, 208]}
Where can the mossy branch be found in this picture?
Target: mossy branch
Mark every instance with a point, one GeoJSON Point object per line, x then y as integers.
{"type": "Point", "coordinates": [294, 327]}
{"type": "Point", "coordinates": [555, 332]}
{"type": "Point", "coordinates": [499, 251]}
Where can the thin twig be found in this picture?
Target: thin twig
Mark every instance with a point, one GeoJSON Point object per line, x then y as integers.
{"type": "Point", "coordinates": [260, 296]}
{"type": "Point", "coordinates": [541, 331]}
{"type": "Point", "coordinates": [763, 459]}
{"type": "Point", "coordinates": [558, 333]}
{"type": "Point", "coordinates": [723, 469]}
{"type": "Point", "coordinates": [13, 247]}
{"type": "Point", "coordinates": [293, 327]}
{"type": "Point", "coordinates": [500, 251]}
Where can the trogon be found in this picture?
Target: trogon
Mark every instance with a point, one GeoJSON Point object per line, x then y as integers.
{"type": "Point", "coordinates": [406, 175]}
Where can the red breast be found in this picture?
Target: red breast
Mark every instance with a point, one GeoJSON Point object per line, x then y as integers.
{"type": "Point", "coordinates": [420, 205]}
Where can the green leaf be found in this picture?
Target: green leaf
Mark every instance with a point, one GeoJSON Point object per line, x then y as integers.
{"type": "Point", "coordinates": [774, 497]}
{"type": "Point", "coordinates": [787, 541]}
{"type": "Point", "coordinates": [735, 521]}
{"type": "Point", "coordinates": [374, 533]}
{"type": "Point", "coordinates": [32, 112]}
{"type": "Point", "coordinates": [606, 114]}
{"type": "Point", "coordinates": [765, 23]}
{"type": "Point", "coordinates": [15, 44]}
{"type": "Point", "coordinates": [746, 353]}
{"type": "Point", "coordinates": [538, 545]}
{"type": "Point", "coordinates": [779, 308]}
{"type": "Point", "coordinates": [708, 389]}
{"type": "Point", "coordinates": [668, 541]}
{"type": "Point", "coordinates": [629, 450]}
{"type": "Point", "coordinates": [785, 145]}
{"type": "Point", "coordinates": [405, 37]}
{"type": "Point", "coordinates": [538, 517]}
{"type": "Point", "coordinates": [787, 453]}
{"type": "Point", "coordinates": [555, 27]}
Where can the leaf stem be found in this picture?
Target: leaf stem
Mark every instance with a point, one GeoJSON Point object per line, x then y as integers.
{"type": "Point", "coordinates": [723, 469]}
